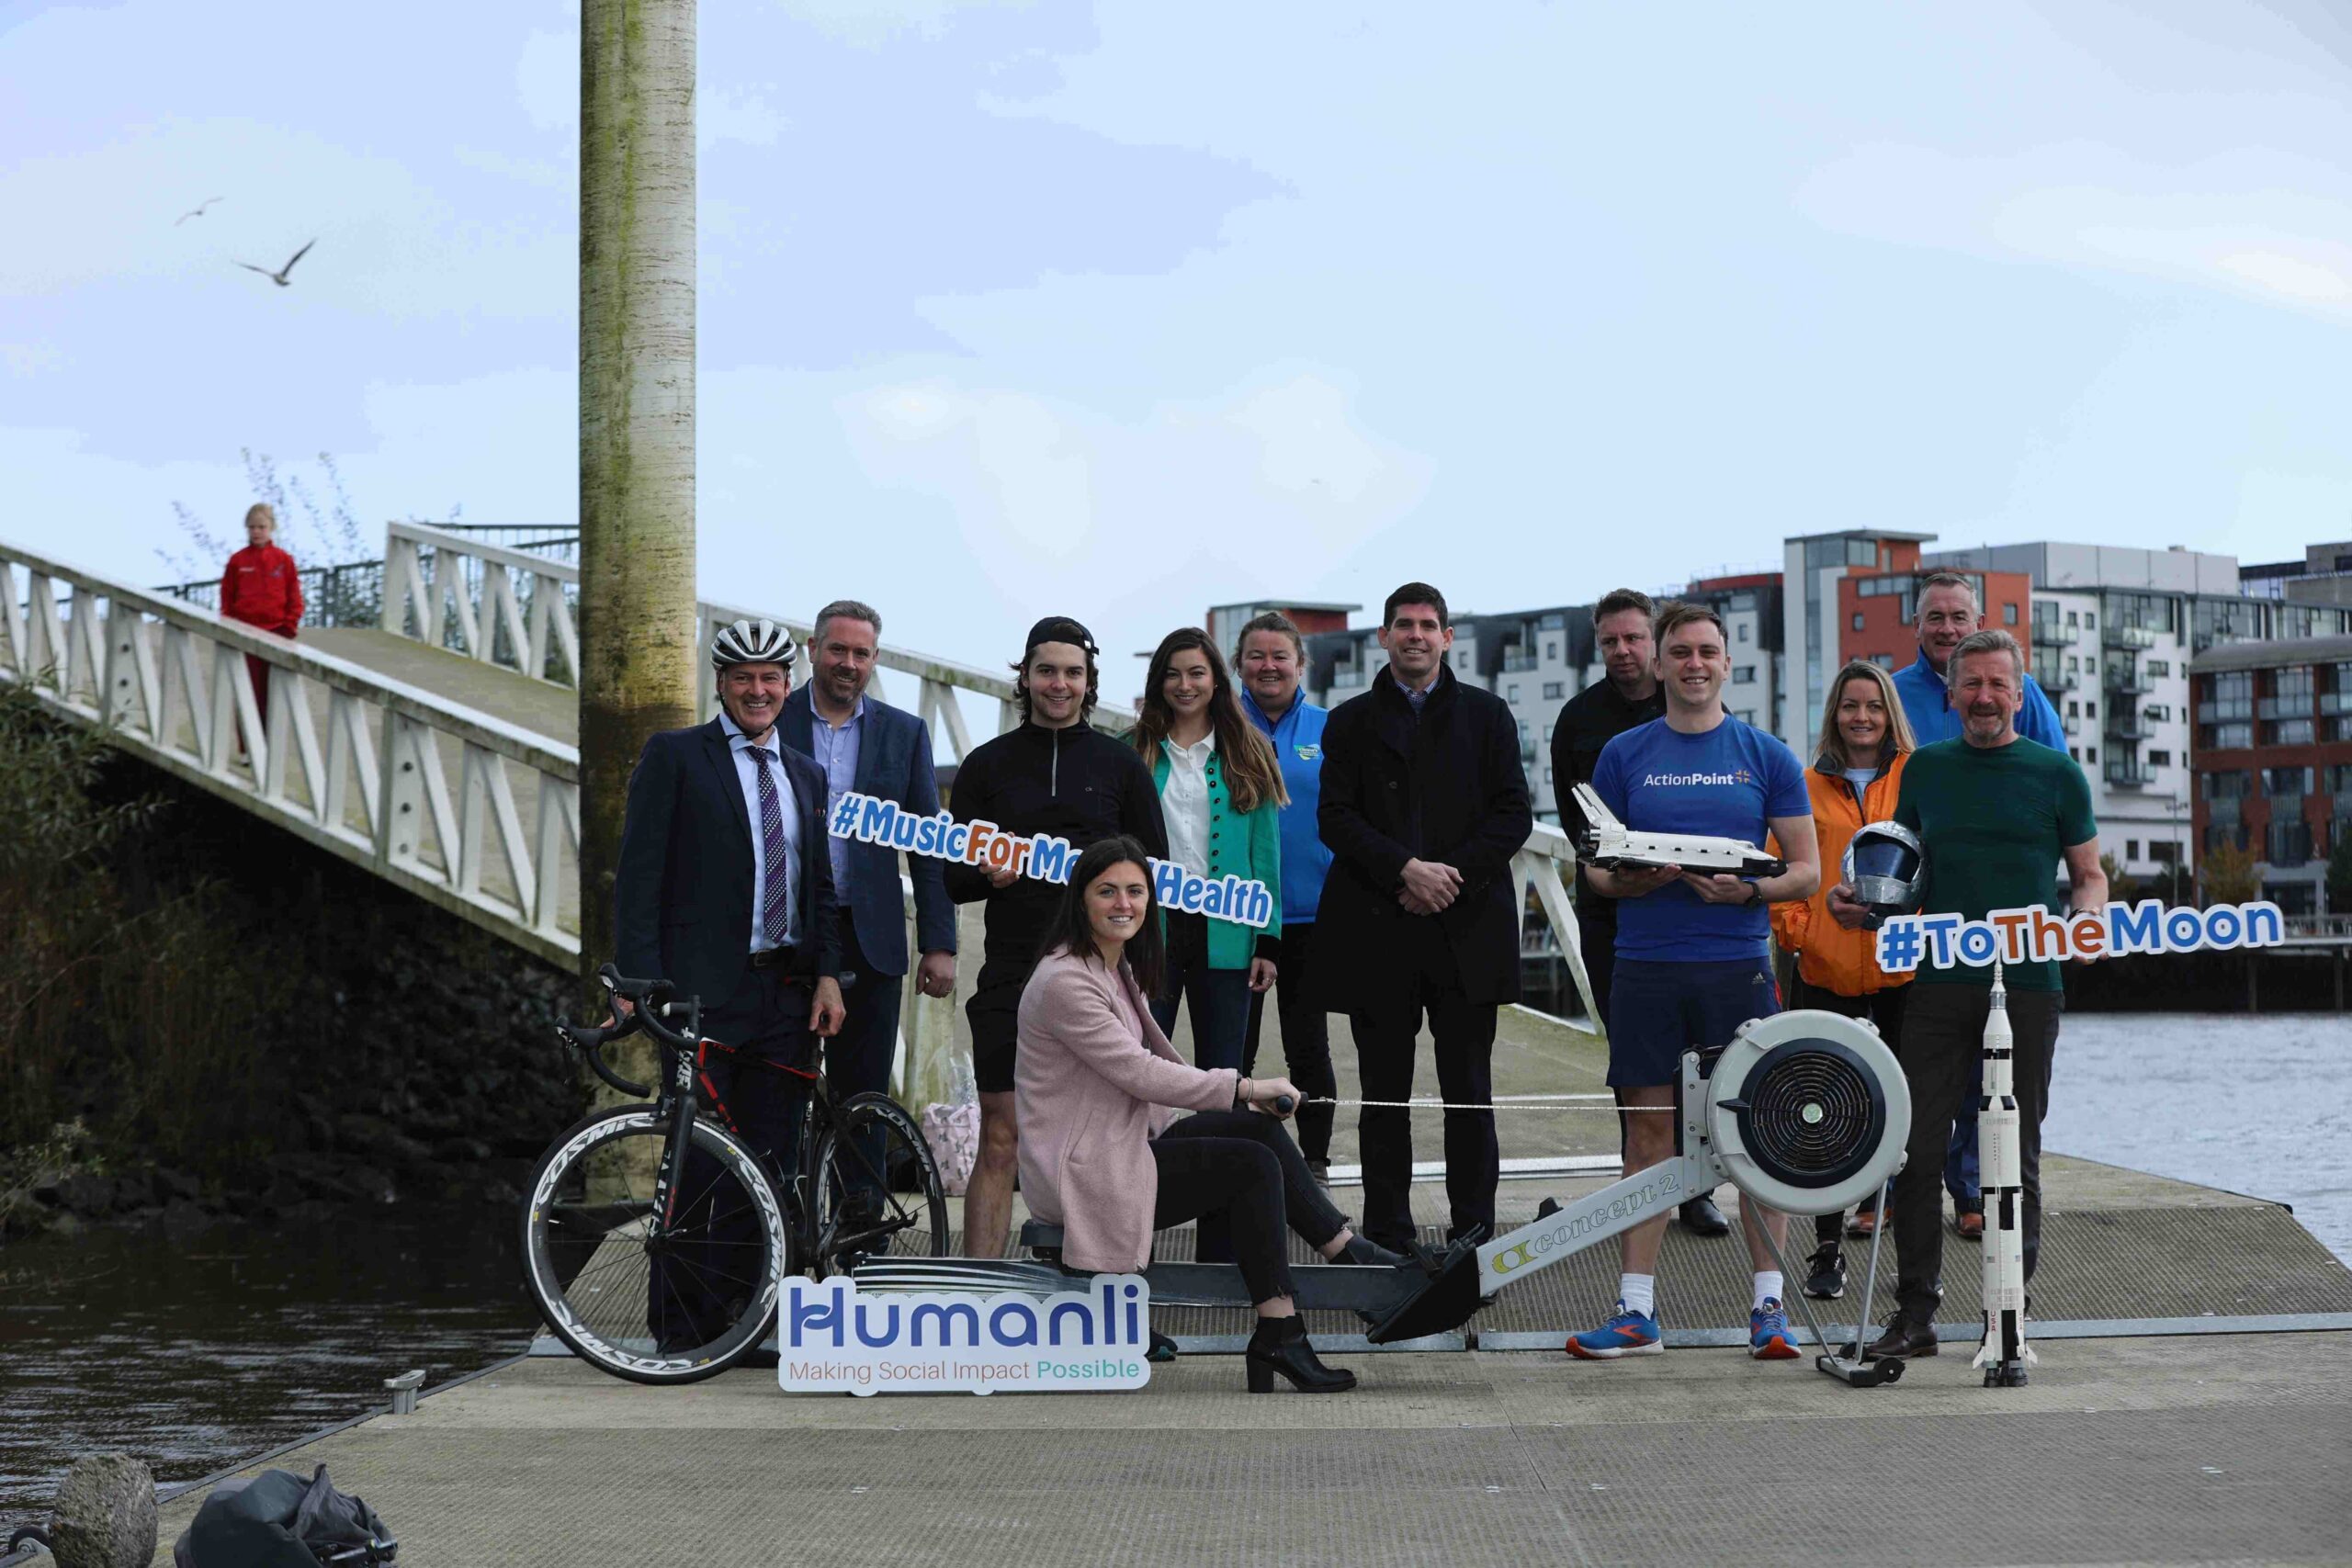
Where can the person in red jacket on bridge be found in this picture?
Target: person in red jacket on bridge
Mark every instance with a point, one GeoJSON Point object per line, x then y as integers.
{"type": "Point", "coordinates": [262, 588]}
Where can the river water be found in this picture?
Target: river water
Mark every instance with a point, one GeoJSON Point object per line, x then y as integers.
{"type": "Point", "coordinates": [196, 1354]}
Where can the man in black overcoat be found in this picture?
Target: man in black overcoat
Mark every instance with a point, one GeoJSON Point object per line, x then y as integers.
{"type": "Point", "coordinates": [1424, 803]}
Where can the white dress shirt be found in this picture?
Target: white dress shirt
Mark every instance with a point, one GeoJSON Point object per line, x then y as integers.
{"type": "Point", "coordinates": [748, 772]}
{"type": "Point", "coordinates": [1184, 804]}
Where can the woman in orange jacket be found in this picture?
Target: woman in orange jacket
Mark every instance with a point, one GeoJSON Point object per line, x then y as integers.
{"type": "Point", "coordinates": [1856, 774]}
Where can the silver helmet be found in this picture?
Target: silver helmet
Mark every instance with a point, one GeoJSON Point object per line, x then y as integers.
{"type": "Point", "coordinates": [1885, 864]}
{"type": "Point", "coordinates": [753, 642]}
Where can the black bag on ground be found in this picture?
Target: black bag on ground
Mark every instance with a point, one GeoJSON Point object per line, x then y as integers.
{"type": "Point", "coordinates": [280, 1520]}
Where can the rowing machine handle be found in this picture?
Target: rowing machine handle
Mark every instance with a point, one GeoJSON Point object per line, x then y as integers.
{"type": "Point", "coordinates": [1283, 1104]}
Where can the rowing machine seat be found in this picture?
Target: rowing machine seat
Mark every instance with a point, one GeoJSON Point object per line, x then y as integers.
{"type": "Point", "coordinates": [1039, 1238]}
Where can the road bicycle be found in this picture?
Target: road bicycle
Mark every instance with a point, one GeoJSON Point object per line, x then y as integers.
{"type": "Point", "coordinates": [656, 1240]}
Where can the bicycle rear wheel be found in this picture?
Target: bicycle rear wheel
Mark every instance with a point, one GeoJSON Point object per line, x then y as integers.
{"type": "Point", "coordinates": [874, 1187]}
{"type": "Point", "coordinates": [650, 1303]}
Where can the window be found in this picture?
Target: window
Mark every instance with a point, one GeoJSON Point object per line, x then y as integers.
{"type": "Point", "coordinates": [2075, 753]}
{"type": "Point", "coordinates": [2009, 614]}
{"type": "Point", "coordinates": [2073, 708]}
{"type": "Point", "coordinates": [2289, 843]}
{"type": "Point", "coordinates": [2287, 732]}
{"type": "Point", "coordinates": [1552, 648]}
{"type": "Point", "coordinates": [2165, 854]}
{"type": "Point", "coordinates": [1886, 661]}
{"type": "Point", "coordinates": [1511, 693]}
{"type": "Point", "coordinates": [1555, 689]}
{"type": "Point", "coordinates": [1862, 552]}
{"type": "Point", "coordinates": [2074, 617]}
{"type": "Point", "coordinates": [2090, 756]}
{"type": "Point", "coordinates": [1547, 775]}
{"type": "Point", "coordinates": [1744, 676]}
{"type": "Point", "coordinates": [2286, 783]}
{"type": "Point", "coordinates": [1523, 732]}
{"type": "Point", "coordinates": [2160, 758]}
{"type": "Point", "coordinates": [2228, 737]}
{"type": "Point", "coordinates": [2090, 622]}
{"type": "Point", "coordinates": [1743, 629]}
{"type": "Point", "coordinates": [2073, 664]}
{"type": "Point", "coordinates": [2158, 668]}
{"type": "Point", "coordinates": [2131, 849]}
{"type": "Point", "coordinates": [2090, 710]}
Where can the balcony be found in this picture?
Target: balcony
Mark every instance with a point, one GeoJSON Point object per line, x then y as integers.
{"type": "Point", "coordinates": [2130, 775]}
{"type": "Point", "coordinates": [2073, 723]}
{"type": "Point", "coordinates": [2113, 635]}
{"type": "Point", "coordinates": [2331, 702]}
{"type": "Point", "coordinates": [2125, 725]}
{"type": "Point", "coordinates": [2050, 633]}
{"type": "Point", "coordinates": [2226, 811]}
{"type": "Point", "coordinates": [2284, 707]}
{"type": "Point", "coordinates": [2126, 683]}
{"type": "Point", "coordinates": [1518, 661]}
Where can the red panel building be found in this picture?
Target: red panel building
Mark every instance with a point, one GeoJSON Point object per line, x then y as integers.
{"type": "Point", "coordinates": [2274, 758]}
{"type": "Point", "coordinates": [1877, 610]}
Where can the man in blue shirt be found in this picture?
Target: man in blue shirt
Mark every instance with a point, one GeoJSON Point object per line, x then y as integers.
{"type": "Point", "coordinates": [1948, 612]}
{"type": "Point", "coordinates": [1270, 659]}
{"type": "Point", "coordinates": [1693, 951]}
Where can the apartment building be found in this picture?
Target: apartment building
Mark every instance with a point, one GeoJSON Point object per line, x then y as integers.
{"type": "Point", "coordinates": [2274, 758]}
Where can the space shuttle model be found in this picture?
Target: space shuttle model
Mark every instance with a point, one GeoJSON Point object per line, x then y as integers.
{"type": "Point", "coordinates": [2004, 1354]}
{"type": "Point", "coordinates": [1606, 842]}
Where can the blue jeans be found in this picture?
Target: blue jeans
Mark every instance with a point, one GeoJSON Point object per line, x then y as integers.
{"type": "Point", "coordinates": [1219, 997]}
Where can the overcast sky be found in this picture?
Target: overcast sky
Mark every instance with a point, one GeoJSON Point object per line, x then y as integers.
{"type": "Point", "coordinates": [1123, 310]}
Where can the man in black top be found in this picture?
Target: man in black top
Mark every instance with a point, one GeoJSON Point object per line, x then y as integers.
{"type": "Point", "coordinates": [1058, 774]}
{"type": "Point", "coordinates": [1588, 721]}
{"type": "Point", "coordinates": [1424, 803]}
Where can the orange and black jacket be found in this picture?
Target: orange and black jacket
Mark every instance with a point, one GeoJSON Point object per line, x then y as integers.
{"type": "Point", "coordinates": [1829, 955]}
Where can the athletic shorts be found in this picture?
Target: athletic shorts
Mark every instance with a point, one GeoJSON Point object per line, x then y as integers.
{"type": "Point", "coordinates": [995, 1014]}
{"type": "Point", "coordinates": [1660, 1010]}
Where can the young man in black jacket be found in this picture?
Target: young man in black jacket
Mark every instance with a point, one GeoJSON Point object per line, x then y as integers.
{"type": "Point", "coordinates": [1424, 803]}
{"type": "Point", "coordinates": [1588, 721]}
{"type": "Point", "coordinates": [1055, 773]}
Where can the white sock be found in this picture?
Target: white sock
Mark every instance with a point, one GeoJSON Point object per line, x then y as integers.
{"type": "Point", "coordinates": [1639, 1293]}
{"type": "Point", "coordinates": [1767, 1286]}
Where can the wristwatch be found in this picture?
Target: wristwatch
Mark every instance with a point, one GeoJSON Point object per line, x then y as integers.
{"type": "Point", "coordinates": [1756, 890]}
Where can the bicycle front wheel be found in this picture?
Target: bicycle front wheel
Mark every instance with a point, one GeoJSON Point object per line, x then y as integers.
{"type": "Point", "coordinates": [874, 1187]}
{"type": "Point", "coordinates": [642, 1298]}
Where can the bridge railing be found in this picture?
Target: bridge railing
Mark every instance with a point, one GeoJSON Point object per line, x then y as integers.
{"type": "Point", "coordinates": [1545, 866]}
{"type": "Point", "coordinates": [520, 611]}
{"type": "Point", "coordinates": [462, 809]}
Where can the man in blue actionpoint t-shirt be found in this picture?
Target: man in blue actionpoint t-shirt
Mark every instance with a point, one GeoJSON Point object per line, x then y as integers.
{"type": "Point", "coordinates": [1693, 951]}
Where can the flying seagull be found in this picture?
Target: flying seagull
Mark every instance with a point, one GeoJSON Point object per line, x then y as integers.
{"type": "Point", "coordinates": [279, 277]}
{"type": "Point", "coordinates": [197, 213]}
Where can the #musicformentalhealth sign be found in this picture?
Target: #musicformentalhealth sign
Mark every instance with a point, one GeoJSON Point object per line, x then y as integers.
{"type": "Point", "coordinates": [1042, 857]}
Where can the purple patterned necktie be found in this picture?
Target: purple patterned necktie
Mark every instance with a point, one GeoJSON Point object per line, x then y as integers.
{"type": "Point", "coordinates": [776, 893]}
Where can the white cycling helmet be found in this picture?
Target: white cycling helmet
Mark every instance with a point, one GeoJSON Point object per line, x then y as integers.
{"type": "Point", "coordinates": [753, 642]}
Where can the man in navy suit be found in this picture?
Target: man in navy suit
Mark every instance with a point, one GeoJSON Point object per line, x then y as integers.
{"type": "Point", "coordinates": [872, 749]}
{"type": "Point", "coordinates": [725, 889]}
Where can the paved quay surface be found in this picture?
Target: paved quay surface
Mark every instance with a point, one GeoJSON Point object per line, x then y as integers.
{"type": "Point", "coordinates": [2220, 1449]}
{"type": "Point", "coordinates": [2139, 1443]}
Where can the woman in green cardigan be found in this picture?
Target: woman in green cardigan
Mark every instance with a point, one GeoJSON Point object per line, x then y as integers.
{"type": "Point", "coordinates": [1220, 791]}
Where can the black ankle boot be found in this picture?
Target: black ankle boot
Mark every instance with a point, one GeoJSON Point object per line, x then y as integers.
{"type": "Point", "coordinates": [1366, 1252]}
{"type": "Point", "coordinates": [1280, 1344]}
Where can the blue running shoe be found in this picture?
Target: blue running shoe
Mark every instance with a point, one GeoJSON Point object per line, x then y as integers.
{"type": "Point", "coordinates": [1629, 1333]}
{"type": "Point", "coordinates": [1768, 1333]}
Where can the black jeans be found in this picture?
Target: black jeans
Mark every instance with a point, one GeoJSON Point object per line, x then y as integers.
{"type": "Point", "coordinates": [694, 1289]}
{"type": "Point", "coordinates": [1241, 1168]}
{"type": "Point", "coordinates": [858, 1059]}
{"type": "Point", "coordinates": [1883, 1009]}
{"type": "Point", "coordinates": [1943, 1036]}
{"type": "Point", "coordinates": [1306, 1039]}
{"type": "Point", "coordinates": [1385, 1042]}
{"type": "Point", "coordinates": [1219, 997]}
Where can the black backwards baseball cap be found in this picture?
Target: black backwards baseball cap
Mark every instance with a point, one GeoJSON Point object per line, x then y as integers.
{"type": "Point", "coordinates": [1058, 629]}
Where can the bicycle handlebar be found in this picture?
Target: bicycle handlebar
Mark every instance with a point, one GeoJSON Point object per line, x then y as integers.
{"type": "Point", "coordinates": [643, 1012]}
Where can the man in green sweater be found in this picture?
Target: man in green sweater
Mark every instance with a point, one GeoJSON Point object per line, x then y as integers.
{"type": "Point", "coordinates": [1996, 814]}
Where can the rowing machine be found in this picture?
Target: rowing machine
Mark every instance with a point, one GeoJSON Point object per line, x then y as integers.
{"type": "Point", "coordinates": [1804, 1111]}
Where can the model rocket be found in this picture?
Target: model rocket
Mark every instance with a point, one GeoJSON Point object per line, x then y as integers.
{"type": "Point", "coordinates": [2000, 1167]}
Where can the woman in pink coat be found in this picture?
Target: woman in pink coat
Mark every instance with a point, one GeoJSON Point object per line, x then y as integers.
{"type": "Point", "coordinates": [1103, 1152]}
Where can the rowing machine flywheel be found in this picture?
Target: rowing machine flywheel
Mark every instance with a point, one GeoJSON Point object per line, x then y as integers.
{"type": "Point", "coordinates": [1808, 1111]}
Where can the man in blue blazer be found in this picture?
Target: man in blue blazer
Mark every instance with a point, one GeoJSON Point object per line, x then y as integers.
{"type": "Point", "coordinates": [725, 889]}
{"type": "Point", "coordinates": [864, 745]}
